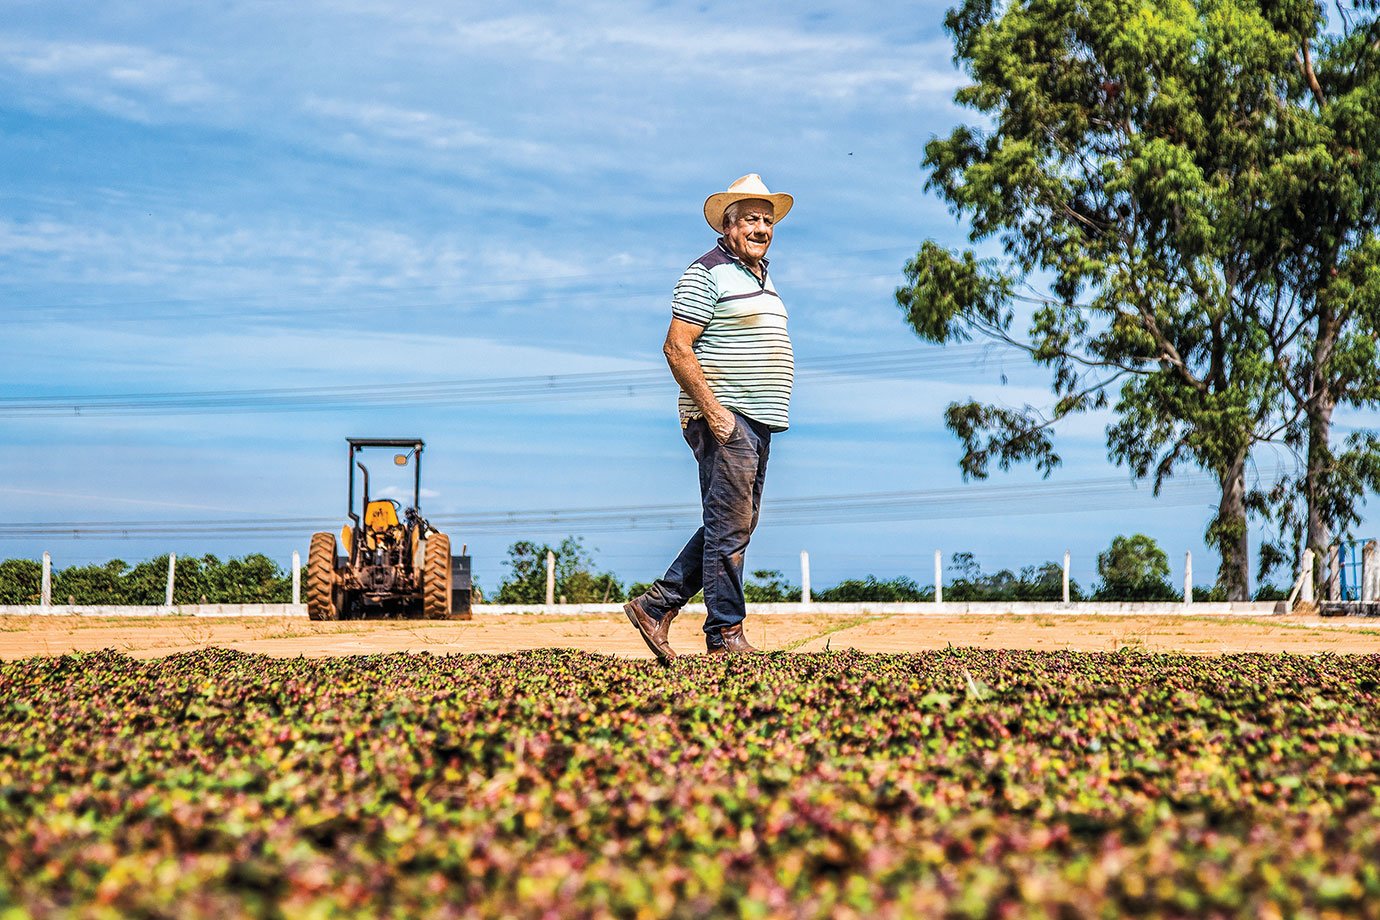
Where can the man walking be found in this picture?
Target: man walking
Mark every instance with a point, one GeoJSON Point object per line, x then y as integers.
{"type": "Point", "coordinates": [729, 351]}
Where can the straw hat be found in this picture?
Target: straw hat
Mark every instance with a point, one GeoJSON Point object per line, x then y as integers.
{"type": "Point", "coordinates": [750, 186]}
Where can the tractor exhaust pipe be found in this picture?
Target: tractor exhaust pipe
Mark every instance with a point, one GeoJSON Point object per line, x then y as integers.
{"type": "Point", "coordinates": [365, 470]}
{"type": "Point", "coordinates": [359, 527]}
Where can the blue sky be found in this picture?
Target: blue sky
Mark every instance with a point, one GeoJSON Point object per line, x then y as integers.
{"type": "Point", "coordinates": [325, 194]}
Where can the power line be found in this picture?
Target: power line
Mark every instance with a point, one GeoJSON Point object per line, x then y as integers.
{"type": "Point", "coordinates": [272, 303]}
{"type": "Point", "coordinates": [464, 391]}
{"type": "Point", "coordinates": [1073, 496]}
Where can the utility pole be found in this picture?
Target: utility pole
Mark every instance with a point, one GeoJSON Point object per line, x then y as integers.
{"type": "Point", "coordinates": [938, 577]}
{"type": "Point", "coordinates": [1066, 576]}
{"type": "Point", "coordinates": [172, 572]}
{"type": "Point", "coordinates": [804, 577]}
{"type": "Point", "coordinates": [550, 577]}
{"type": "Point", "coordinates": [46, 598]}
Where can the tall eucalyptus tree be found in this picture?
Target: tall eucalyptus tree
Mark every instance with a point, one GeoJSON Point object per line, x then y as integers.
{"type": "Point", "coordinates": [1152, 166]}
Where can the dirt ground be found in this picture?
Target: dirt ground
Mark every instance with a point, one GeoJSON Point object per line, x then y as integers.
{"type": "Point", "coordinates": [25, 636]}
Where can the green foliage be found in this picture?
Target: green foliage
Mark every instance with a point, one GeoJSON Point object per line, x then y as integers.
{"type": "Point", "coordinates": [582, 587]}
{"type": "Point", "coordinates": [1134, 568]}
{"type": "Point", "coordinates": [575, 578]}
{"type": "Point", "coordinates": [1034, 583]}
{"type": "Point", "coordinates": [92, 584]}
{"type": "Point", "coordinates": [21, 581]}
{"type": "Point", "coordinates": [955, 783]}
{"type": "Point", "coordinates": [1133, 560]}
{"type": "Point", "coordinates": [769, 586]}
{"type": "Point", "coordinates": [1209, 593]}
{"type": "Point", "coordinates": [853, 590]}
{"type": "Point", "coordinates": [254, 579]}
{"type": "Point", "coordinates": [527, 582]}
{"type": "Point", "coordinates": [147, 582]}
{"type": "Point", "coordinates": [1197, 183]}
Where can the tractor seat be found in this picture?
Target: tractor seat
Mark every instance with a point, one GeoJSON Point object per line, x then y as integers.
{"type": "Point", "coordinates": [379, 518]}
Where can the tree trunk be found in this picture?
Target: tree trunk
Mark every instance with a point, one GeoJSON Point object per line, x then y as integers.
{"type": "Point", "coordinates": [1315, 484]}
{"type": "Point", "coordinates": [1321, 404]}
{"type": "Point", "coordinates": [1229, 532]}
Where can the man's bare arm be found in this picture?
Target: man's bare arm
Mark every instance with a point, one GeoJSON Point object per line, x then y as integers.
{"type": "Point", "coordinates": [685, 367]}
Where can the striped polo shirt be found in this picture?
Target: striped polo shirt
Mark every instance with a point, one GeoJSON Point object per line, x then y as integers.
{"type": "Point", "coordinates": [744, 349]}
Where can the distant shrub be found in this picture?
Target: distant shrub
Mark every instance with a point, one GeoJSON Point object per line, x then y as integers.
{"type": "Point", "coordinates": [575, 577]}
{"type": "Point", "coordinates": [254, 579]}
{"type": "Point", "coordinates": [91, 584]}
{"type": "Point", "coordinates": [1034, 583]}
{"type": "Point", "coordinates": [21, 581]}
{"type": "Point", "coordinates": [870, 588]}
{"type": "Point", "coordinates": [769, 586]}
{"type": "Point", "coordinates": [1134, 568]}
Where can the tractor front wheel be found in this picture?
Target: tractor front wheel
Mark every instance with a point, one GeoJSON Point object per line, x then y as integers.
{"type": "Point", "coordinates": [323, 592]}
{"type": "Point", "coordinates": [436, 578]}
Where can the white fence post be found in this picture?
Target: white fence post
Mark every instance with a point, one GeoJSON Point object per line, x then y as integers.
{"type": "Point", "coordinates": [1307, 593]}
{"type": "Point", "coordinates": [938, 577]}
{"type": "Point", "coordinates": [296, 577]}
{"type": "Point", "coordinates": [1334, 573]}
{"type": "Point", "coordinates": [172, 572]}
{"type": "Point", "coordinates": [1368, 571]}
{"type": "Point", "coordinates": [47, 595]}
{"type": "Point", "coordinates": [550, 577]}
{"type": "Point", "coordinates": [1066, 576]}
{"type": "Point", "coordinates": [1188, 577]}
{"type": "Point", "coordinates": [804, 577]}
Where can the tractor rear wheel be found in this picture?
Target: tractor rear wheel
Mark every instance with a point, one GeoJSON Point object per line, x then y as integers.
{"type": "Point", "coordinates": [436, 578]}
{"type": "Point", "coordinates": [322, 591]}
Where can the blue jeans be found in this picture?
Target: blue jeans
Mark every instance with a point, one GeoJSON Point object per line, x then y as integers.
{"type": "Point", "coordinates": [731, 477]}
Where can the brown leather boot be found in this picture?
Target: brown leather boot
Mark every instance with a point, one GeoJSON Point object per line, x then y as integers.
{"type": "Point", "coordinates": [734, 641]}
{"type": "Point", "coordinates": [653, 631]}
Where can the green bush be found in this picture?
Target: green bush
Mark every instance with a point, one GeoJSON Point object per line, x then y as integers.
{"type": "Point", "coordinates": [254, 579]}
{"type": "Point", "coordinates": [575, 579]}
{"type": "Point", "coordinates": [91, 584]}
{"type": "Point", "coordinates": [1034, 583]}
{"type": "Point", "coordinates": [21, 581]}
{"type": "Point", "coordinates": [854, 590]}
{"type": "Point", "coordinates": [1134, 568]}
{"type": "Point", "coordinates": [769, 586]}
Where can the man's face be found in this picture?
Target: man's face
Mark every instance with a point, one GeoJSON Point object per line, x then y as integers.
{"type": "Point", "coordinates": [747, 229]}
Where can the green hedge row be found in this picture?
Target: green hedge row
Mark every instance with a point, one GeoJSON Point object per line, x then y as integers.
{"type": "Point", "coordinates": [253, 579]}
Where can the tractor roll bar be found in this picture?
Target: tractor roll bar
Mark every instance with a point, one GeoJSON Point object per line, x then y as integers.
{"type": "Point", "coordinates": [358, 444]}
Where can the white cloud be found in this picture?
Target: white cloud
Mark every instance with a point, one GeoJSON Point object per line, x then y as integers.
{"type": "Point", "coordinates": [272, 259]}
{"type": "Point", "coordinates": [125, 80]}
{"type": "Point", "coordinates": [773, 59]}
{"type": "Point", "coordinates": [166, 356]}
{"type": "Point", "coordinates": [104, 500]}
{"type": "Point", "coordinates": [432, 130]}
{"type": "Point", "coordinates": [401, 494]}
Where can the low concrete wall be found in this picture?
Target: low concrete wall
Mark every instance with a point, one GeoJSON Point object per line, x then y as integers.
{"type": "Point", "coordinates": [1349, 609]}
{"type": "Point", "coordinates": [948, 608]}
{"type": "Point", "coordinates": [184, 610]}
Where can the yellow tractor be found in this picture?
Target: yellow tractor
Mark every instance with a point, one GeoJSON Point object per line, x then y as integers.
{"type": "Point", "coordinates": [395, 563]}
